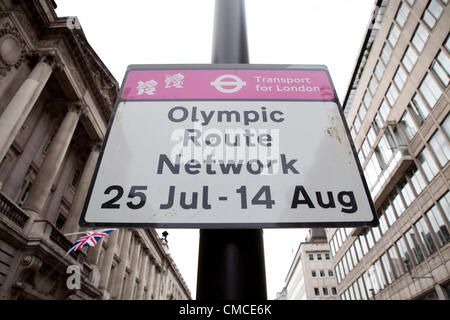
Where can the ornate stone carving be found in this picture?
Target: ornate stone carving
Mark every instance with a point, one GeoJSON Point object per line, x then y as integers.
{"type": "Point", "coordinates": [12, 48]}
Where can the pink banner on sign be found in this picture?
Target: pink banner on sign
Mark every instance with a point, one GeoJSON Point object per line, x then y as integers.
{"type": "Point", "coordinates": [227, 84]}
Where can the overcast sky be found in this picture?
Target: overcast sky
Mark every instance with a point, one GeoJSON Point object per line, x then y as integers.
{"type": "Point", "coordinates": [327, 32]}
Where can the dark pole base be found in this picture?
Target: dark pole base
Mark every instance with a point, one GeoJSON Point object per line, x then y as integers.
{"type": "Point", "coordinates": [231, 265]}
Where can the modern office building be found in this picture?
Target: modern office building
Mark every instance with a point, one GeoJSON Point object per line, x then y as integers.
{"type": "Point", "coordinates": [311, 275]}
{"type": "Point", "coordinates": [56, 97]}
{"type": "Point", "coordinates": [397, 108]}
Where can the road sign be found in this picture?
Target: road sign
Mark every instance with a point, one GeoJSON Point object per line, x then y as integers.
{"type": "Point", "coordinates": [228, 146]}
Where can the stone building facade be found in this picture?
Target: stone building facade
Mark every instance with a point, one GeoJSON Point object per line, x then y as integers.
{"type": "Point", "coordinates": [397, 108]}
{"type": "Point", "coordinates": [311, 275]}
{"type": "Point", "coordinates": [56, 97]}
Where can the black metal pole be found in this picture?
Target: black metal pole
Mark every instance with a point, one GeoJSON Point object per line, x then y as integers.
{"type": "Point", "coordinates": [231, 262]}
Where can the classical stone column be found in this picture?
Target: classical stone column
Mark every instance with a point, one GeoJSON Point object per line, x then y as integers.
{"type": "Point", "coordinates": [142, 276]}
{"type": "Point", "coordinates": [118, 279]}
{"type": "Point", "coordinates": [132, 279]}
{"type": "Point", "coordinates": [17, 110]}
{"type": "Point", "coordinates": [71, 224]}
{"type": "Point", "coordinates": [150, 279]}
{"type": "Point", "coordinates": [40, 191]}
{"type": "Point", "coordinates": [157, 290]}
{"type": "Point", "coordinates": [105, 270]}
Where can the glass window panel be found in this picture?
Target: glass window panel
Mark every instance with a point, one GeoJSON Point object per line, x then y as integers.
{"type": "Point", "coordinates": [420, 37]}
{"type": "Point", "coordinates": [379, 70]}
{"type": "Point", "coordinates": [378, 123]}
{"type": "Point", "coordinates": [368, 284]}
{"type": "Point", "coordinates": [427, 163]}
{"type": "Point", "coordinates": [373, 85]}
{"type": "Point", "coordinates": [432, 13]}
{"type": "Point", "coordinates": [325, 291]}
{"type": "Point", "coordinates": [417, 179]}
{"type": "Point", "coordinates": [361, 112]}
{"type": "Point", "coordinates": [380, 274]}
{"type": "Point", "coordinates": [441, 67]}
{"type": "Point", "coordinates": [392, 95]}
{"type": "Point", "coordinates": [384, 109]}
{"type": "Point", "coordinates": [367, 99]}
{"type": "Point", "coordinates": [444, 202]}
{"type": "Point", "coordinates": [400, 77]}
{"type": "Point", "coordinates": [425, 236]}
{"type": "Point", "coordinates": [345, 264]}
{"type": "Point", "coordinates": [356, 289]}
{"type": "Point", "coordinates": [353, 254]}
{"type": "Point", "coordinates": [358, 248]}
{"type": "Point", "coordinates": [406, 192]}
{"type": "Point", "coordinates": [387, 268]}
{"type": "Point", "coordinates": [362, 288]}
{"type": "Point", "coordinates": [408, 125]}
{"type": "Point", "coordinates": [413, 243]}
{"type": "Point", "coordinates": [383, 224]}
{"type": "Point", "coordinates": [419, 108]}
{"type": "Point", "coordinates": [402, 15]}
{"type": "Point", "coordinates": [393, 35]}
{"type": "Point", "coordinates": [349, 260]}
{"type": "Point", "coordinates": [430, 90]}
{"type": "Point", "coordinates": [440, 147]}
{"type": "Point", "coordinates": [386, 53]}
{"type": "Point", "coordinates": [385, 148]}
{"type": "Point", "coordinates": [353, 133]}
{"type": "Point", "coordinates": [374, 280]}
{"type": "Point", "coordinates": [365, 148]}
{"type": "Point", "coordinates": [356, 124]}
{"type": "Point", "coordinates": [371, 136]}
{"type": "Point", "coordinates": [411, 2]}
{"type": "Point", "coordinates": [438, 226]}
{"type": "Point", "coordinates": [376, 234]}
{"type": "Point", "coordinates": [361, 156]}
{"type": "Point", "coordinates": [404, 254]}
{"type": "Point", "coordinates": [362, 240]}
{"type": "Point", "coordinates": [352, 293]}
{"type": "Point", "coordinates": [446, 126]}
{"type": "Point", "coordinates": [389, 212]}
{"type": "Point", "coordinates": [369, 239]}
{"type": "Point", "coordinates": [396, 262]}
{"type": "Point", "coordinates": [409, 58]}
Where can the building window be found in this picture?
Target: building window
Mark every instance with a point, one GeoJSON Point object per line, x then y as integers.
{"type": "Point", "coordinates": [402, 15]}
{"type": "Point", "coordinates": [432, 13]}
{"type": "Point", "coordinates": [362, 288]}
{"type": "Point", "coordinates": [362, 240]}
{"type": "Point", "coordinates": [380, 274]}
{"type": "Point", "coordinates": [406, 192]}
{"type": "Point", "coordinates": [411, 239]}
{"type": "Point", "coordinates": [400, 77]}
{"type": "Point", "coordinates": [408, 125]}
{"type": "Point", "coordinates": [60, 221]}
{"type": "Point", "coordinates": [384, 110]}
{"type": "Point", "coordinates": [373, 85]}
{"type": "Point", "coordinates": [399, 207]}
{"type": "Point", "coordinates": [359, 252]}
{"type": "Point", "coordinates": [404, 254]}
{"type": "Point", "coordinates": [386, 53]}
{"type": "Point", "coordinates": [319, 256]}
{"type": "Point", "coordinates": [419, 108]}
{"type": "Point", "coordinates": [313, 273]}
{"type": "Point", "coordinates": [316, 292]}
{"type": "Point", "coordinates": [361, 112]}
{"type": "Point", "coordinates": [330, 273]}
{"type": "Point", "coordinates": [371, 136]}
{"type": "Point", "coordinates": [446, 125]}
{"type": "Point", "coordinates": [409, 58]}
{"type": "Point", "coordinates": [356, 124]}
{"type": "Point", "coordinates": [385, 147]}
{"type": "Point", "coordinates": [444, 202]}
{"type": "Point", "coordinates": [396, 262]}
{"type": "Point", "coordinates": [441, 67]}
{"type": "Point", "coordinates": [387, 268]}
{"type": "Point", "coordinates": [365, 148]}
{"type": "Point", "coordinates": [383, 224]}
{"type": "Point", "coordinates": [369, 239]}
{"type": "Point", "coordinates": [430, 90]}
{"type": "Point", "coordinates": [327, 256]}
{"type": "Point", "coordinates": [367, 99]}
{"type": "Point", "coordinates": [427, 163]}
{"type": "Point", "coordinates": [322, 273]}
{"type": "Point", "coordinates": [393, 35]}
{"type": "Point", "coordinates": [311, 257]}
{"type": "Point", "coordinates": [353, 133]}
{"type": "Point", "coordinates": [76, 178]}
{"type": "Point", "coordinates": [417, 179]}
{"type": "Point", "coordinates": [419, 38]}
{"type": "Point", "coordinates": [438, 226]}
{"type": "Point", "coordinates": [425, 236]}
{"type": "Point", "coordinates": [379, 70]}
{"type": "Point", "coordinates": [391, 95]}
{"type": "Point", "coordinates": [440, 147]}
{"type": "Point", "coordinates": [334, 291]}
{"type": "Point", "coordinates": [325, 291]}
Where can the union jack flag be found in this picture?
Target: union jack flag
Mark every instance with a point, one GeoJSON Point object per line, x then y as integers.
{"type": "Point", "coordinates": [89, 239]}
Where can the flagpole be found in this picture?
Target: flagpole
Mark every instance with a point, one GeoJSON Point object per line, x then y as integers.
{"type": "Point", "coordinates": [70, 234]}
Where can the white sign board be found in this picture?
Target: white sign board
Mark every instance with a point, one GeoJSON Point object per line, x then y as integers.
{"type": "Point", "coordinates": [228, 146]}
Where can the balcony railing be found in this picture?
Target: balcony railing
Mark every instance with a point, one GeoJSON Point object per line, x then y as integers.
{"type": "Point", "coordinates": [11, 211]}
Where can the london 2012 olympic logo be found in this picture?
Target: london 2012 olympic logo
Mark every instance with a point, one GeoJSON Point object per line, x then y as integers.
{"type": "Point", "coordinates": [228, 83]}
